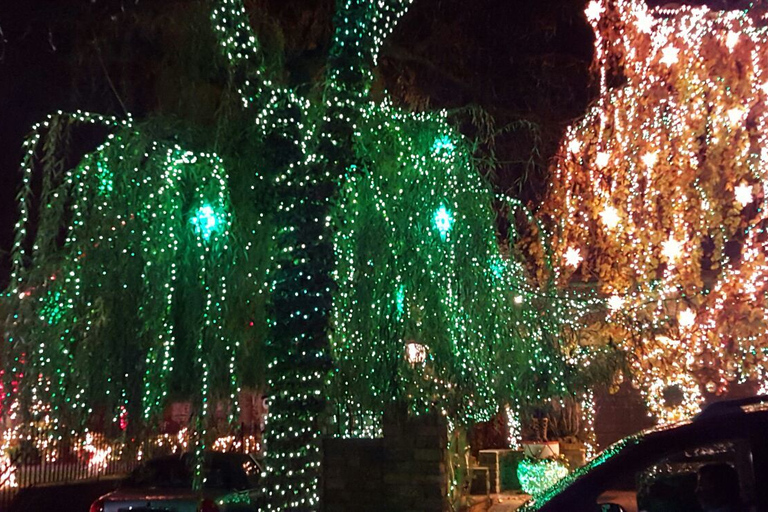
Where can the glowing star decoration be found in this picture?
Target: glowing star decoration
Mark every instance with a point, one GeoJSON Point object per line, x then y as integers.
{"type": "Point", "coordinates": [686, 318]}
{"type": "Point", "coordinates": [615, 303]}
{"type": "Point", "coordinates": [671, 249]}
{"type": "Point", "coordinates": [645, 22]}
{"type": "Point", "coordinates": [573, 257]}
{"type": "Point", "coordinates": [731, 40]}
{"type": "Point", "coordinates": [443, 220]}
{"type": "Point", "coordinates": [206, 221]}
{"type": "Point", "coordinates": [574, 146]}
{"type": "Point", "coordinates": [670, 55]}
{"type": "Point", "coordinates": [735, 115]}
{"type": "Point", "coordinates": [593, 11]}
{"type": "Point", "coordinates": [650, 159]}
{"type": "Point", "coordinates": [415, 353]}
{"type": "Point", "coordinates": [743, 194]}
{"type": "Point", "coordinates": [610, 217]}
{"type": "Point", "coordinates": [518, 299]}
{"type": "Point", "coordinates": [602, 158]}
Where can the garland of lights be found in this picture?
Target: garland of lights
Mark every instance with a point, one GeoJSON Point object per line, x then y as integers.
{"type": "Point", "coordinates": [658, 195]}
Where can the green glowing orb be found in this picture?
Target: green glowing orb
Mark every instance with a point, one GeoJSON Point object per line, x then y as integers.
{"type": "Point", "coordinates": [443, 220]}
{"type": "Point", "coordinates": [443, 144]}
{"type": "Point", "coordinates": [206, 221]}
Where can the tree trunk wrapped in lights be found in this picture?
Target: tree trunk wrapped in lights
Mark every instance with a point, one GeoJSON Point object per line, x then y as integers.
{"type": "Point", "coordinates": [657, 195]}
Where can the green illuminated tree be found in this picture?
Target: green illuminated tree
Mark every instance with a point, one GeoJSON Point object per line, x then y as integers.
{"type": "Point", "coordinates": [361, 234]}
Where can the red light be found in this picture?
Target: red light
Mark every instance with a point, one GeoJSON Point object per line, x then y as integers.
{"type": "Point", "coordinates": [208, 506]}
{"type": "Point", "coordinates": [97, 506]}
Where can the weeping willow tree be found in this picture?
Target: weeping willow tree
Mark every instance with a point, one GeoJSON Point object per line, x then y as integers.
{"type": "Point", "coordinates": [123, 265]}
{"type": "Point", "coordinates": [429, 312]}
{"type": "Point", "coordinates": [385, 279]}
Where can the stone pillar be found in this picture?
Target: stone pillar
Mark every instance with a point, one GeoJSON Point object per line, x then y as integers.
{"type": "Point", "coordinates": [403, 472]}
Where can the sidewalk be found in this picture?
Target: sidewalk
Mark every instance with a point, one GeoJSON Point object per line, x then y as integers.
{"type": "Point", "coordinates": [498, 503]}
{"type": "Point", "coordinates": [507, 502]}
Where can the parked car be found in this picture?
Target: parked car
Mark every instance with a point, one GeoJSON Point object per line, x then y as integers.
{"type": "Point", "coordinates": [164, 484]}
{"type": "Point", "coordinates": [717, 460]}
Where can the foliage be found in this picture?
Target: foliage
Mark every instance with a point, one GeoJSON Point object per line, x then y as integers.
{"type": "Point", "coordinates": [657, 196]}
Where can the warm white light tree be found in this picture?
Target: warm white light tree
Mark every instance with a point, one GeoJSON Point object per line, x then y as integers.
{"type": "Point", "coordinates": [657, 196]}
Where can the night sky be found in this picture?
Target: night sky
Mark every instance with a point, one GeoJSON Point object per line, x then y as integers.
{"type": "Point", "coordinates": [517, 59]}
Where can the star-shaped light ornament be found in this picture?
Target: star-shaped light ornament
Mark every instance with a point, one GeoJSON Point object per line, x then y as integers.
{"type": "Point", "coordinates": [650, 159]}
{"type": "Point", "coordinates": [573, 257]}
{"type": "Point", "coordinates": [672, 249]}
{"type": "Point", "coordinates": [735, 115]}
{"type": "Point", "coordinates": [743, 194]}
{"type": "Point", "coordinates": [670, 55]}
{"type": "Point", "coordinates": [610, 217]}
{"type": "Point", "coordinates": [602, 158]}
{"type": "Point", "coordinates": [615, 303]}
{"type": "Point", "coordinates": [593, 11]}
{"type": "Point", "coordinates": [731, 40]}
{"type": "Point", "coordinates": [686, 318]}
{"type": "Point", "coordinates": [645, 22]}
{"type": "Point", "coordinates": [574, 146]}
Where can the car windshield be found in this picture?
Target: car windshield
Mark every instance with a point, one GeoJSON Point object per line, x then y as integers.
{"type": "Point", "coordinates": [222, 471]}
